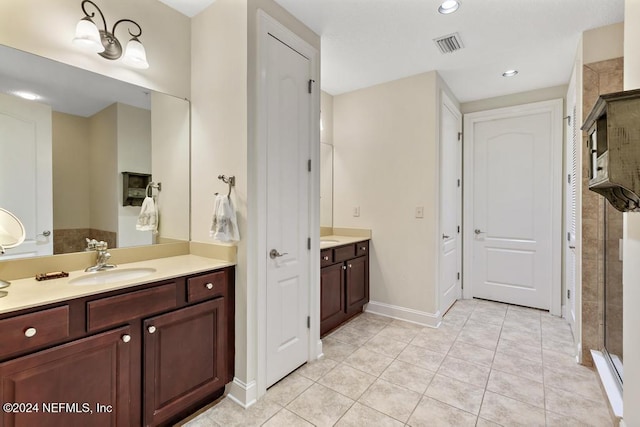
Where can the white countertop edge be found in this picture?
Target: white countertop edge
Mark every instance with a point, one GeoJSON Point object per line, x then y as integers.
{"type": "Point", "coordinates": [339, 241]}
{"type": "Point", "coordinates": [30, 293]}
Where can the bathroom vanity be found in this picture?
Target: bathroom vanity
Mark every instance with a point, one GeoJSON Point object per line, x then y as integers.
{"type": "Point", "coordinates": [141, 354]}
{"type": "Point", "coordinates": [344, 280]}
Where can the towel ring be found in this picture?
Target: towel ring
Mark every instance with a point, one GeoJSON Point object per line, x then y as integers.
{"type": "Point", "coordinates": [231, 180]}
{"type": "Point", "coordinates": [151, 186]}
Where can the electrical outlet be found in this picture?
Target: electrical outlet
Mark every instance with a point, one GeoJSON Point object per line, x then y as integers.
{"type": "Point", "coordinates": [356, 211]}
{"type": "Point", "coordinates": [420, 212]}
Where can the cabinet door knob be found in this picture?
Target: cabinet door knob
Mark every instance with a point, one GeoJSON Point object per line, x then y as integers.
{"type": "Point", "coordinates": [326, 258]}
{"type": "Point", "coordinates": [151, 329]}
{"type": "Point", "coordinates": [344, 267]}
{"type": "Point", "coordinates": [30, 332]}
{"type": "Point", "coordinates": [363, 248]}
{"type": "Point", "coordinates": [209, 285]}
{"type": "Point", "coordinates": [349, 265]}
{"type": "Point", "coordinates": [126, 338]}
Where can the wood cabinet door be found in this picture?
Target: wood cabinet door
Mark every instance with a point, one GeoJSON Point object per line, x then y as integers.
{"type": "Point", "coordinates": [184, 359]}
{"type": "Point", "coordinates": [357, 284]}
{"type": "Point", "coordinates": [331, 297]}
{"type": "Point", "coordinates": [83, 383]}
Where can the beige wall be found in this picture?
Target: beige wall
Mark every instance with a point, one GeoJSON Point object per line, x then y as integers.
{"type": "Point", "coordinates": [326, 115]}
{"type": "Point", "coordinates": [103, 163]}
{"type": "Point", "coordinates": [134, 155]}
{"type": "Point", "coordinates": [631, 249]}
{"type": "Point", "coordinates": [603, 43]}
{"type": "Point", "coordinates": [537, 95]}
{"type": "Point", "coordinates": [46, 28]}
{"type": "Point", "coordinates": [386, 163]}
{"type": "Point", "coordinates": [170, 163]}
{"type": "Point", "coordinates": [71, 185]}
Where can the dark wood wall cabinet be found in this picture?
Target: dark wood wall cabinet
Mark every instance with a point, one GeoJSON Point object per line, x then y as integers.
{"type": "Point", "coordinates": [344, 284]}
{"type": "Point", "coordinates": [148, 355]}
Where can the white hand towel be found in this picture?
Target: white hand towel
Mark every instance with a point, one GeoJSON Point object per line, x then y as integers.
{"type": "Point", "coordinates": [148, 217]}
{"type": "Point", "coordinates": [224, 225]}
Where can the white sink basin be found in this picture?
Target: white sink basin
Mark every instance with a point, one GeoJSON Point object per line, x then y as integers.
{"type": "Point", "coordinates": [111, 276]}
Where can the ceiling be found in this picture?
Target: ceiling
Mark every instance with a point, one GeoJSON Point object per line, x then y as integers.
{"type": "Point", "coordinates": [366, 42]}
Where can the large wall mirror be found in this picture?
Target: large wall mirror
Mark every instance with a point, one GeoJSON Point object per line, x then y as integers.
{"type": "Point", "coordinates": [64, 151]}
{"type": "Point", "coordinates": [326, 185]}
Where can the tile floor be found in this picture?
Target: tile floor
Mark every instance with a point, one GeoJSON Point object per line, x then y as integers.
{"type": "Point", "coordinates": [489, 364]}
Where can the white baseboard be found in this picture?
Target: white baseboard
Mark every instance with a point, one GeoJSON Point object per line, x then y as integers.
{"type": "Point", "coordinates": [242, 393]}
{"type": "Point", "coordinates": [406, 314]}
{"type": "Point", "coordinates": [319, 352]}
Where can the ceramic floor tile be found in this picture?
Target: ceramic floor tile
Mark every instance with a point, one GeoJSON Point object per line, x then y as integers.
{"type": "Point", "coordinates": [521, 336]}
{"type": "Point", "coordinates": [426, 359]}
{"type": "Point", "coordinates": [516, 348]}
{"type": "Point", "coordinates": [203, 420]}
{"type": "Point", "coordinates": [557, 420]}
{"type": "Point", "coordinates": [432, 413]}
{"type": "Point", "coordinates": [487, 317]}
{"type": "Point", "coordinates": [286, 418]}
{"type": "Point", "coordinates": [486, 423]}
{"type": "Point", "coordinates": [360, 415]}
{"type": "Point", "coordinates": [519, 322]}
{"type": "Point", "coordinates": [566, 347]}
{"type": "Point", "coordinates": [558, 360]}
{"type": "Point", "coordinates": [367, 326]}
{"type": "Point", "coordinates": [348, 381]}
{"type": "Point", "coordinates": [511, 412]}
{"type": "Point", "coordinates": [456, 393]}
{"type": "Point", "coordinates": [337, 350]}
{"type": "Point", "coordinates": [288, 388]}
{"type": "Point", "coordinates": [580, 379]}
{"type": "Point", "coordinates": [320, 406]}
{"type": "Point", "coordinates": [464, 371]}
{"type": "Point", "coordinates": [229, 414]}
{"type": "Point", "coordinates": [439, 341]}
{"type": "Point", "coordinates": [316, 369]}
{"type": "Point", "coordinates": [385, 346]}
{"type": "Point", "coordinates": [398, 333]}
{"type": "Point", "coordinates": [571, 405]}
{"type": "Point", "coordinates": [350, 335]}
{"type": "Point", "coordinates": [390, 399]}
{"type": "Point", "coordinates": [454, 321]}
{"type": "Point", "coordinates": [472, 353]}
{"type": "Point", "coordinates": [368, 361]}
{"type": "Point", "coordinates": [518, 366]}
{"type": "Point", "coordinates": [519, 388]}
{"type": "Point", "coordinates": [407, 375]}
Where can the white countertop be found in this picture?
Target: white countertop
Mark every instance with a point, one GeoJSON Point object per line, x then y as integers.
{"type": "Point", "coordinates": [327, 242]}
{"type": "Point", "coordinates": [27, 293]}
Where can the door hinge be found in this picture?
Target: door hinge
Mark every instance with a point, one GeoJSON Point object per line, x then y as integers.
{"type": "Point", "coordinates": [311, 82]}
{"type": "Point", "coordinates": [568, 236]}
{"type": "Point", "coordinates": [458, 276]}
{"type": "Point", "coordinates": [458, 182]}
{"type": "Point", "coordinates": [308, 322]}
{"type": "Point", "coordinates": [568, 178]}
{"type": "Point", "coordinates": [309, 165]}
{"type": "Point", "coordinates": [458, 229]}
{"type": "Point", "coordinates": [568, 293]}
{"type": "Point", "coordinates": [459, 136]}
{"type": "Point", "coordinates": [309, 243]}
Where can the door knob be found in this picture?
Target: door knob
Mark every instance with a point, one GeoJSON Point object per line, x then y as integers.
{"type": "Point", "coordinates": [45, 233]}
{"type": "Point", "coordinates": [478, 231]}
{"type": "Point", "coordinates": [126, 338]}
{"type": "Point", "coordinates": [444, 236]}
{"type": "Point", "coordinates": [151, 329]}
{"type": "Point", "coordinates": [273, 254]}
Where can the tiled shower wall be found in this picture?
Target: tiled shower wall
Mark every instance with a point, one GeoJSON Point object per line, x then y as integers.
{"type": "Point", "coordinates": [598, 78]}
{"type": "Point", "coordinates": [73, 240]}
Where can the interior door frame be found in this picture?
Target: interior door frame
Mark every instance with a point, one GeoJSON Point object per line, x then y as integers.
{"type": "Point", "coordinates": [555, 107]}
{"type": "Point", "coordinates": [268, 27]}
{"type": "Point", "coordinates": [447, 102]}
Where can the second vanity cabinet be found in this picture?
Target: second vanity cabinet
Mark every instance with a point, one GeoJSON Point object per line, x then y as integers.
{"type": "Point", "coordinates": [344, 284]}
{"type": "Point", "coordinates": [147, 355]}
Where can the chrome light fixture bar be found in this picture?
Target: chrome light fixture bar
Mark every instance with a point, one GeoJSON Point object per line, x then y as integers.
{"type": "Point", "coordinates": [105, 43]}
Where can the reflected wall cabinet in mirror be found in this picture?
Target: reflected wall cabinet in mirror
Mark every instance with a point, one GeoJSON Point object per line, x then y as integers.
{"type": "Point", "coordinates": [66, 137]}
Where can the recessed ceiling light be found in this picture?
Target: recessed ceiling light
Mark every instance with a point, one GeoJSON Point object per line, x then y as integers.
{"type": "Point", "coordinates": [509, 73]}
{"type": "Point", "coordinates": [27, 95]}
{"type": "Point", "coordinates": [448, 6]}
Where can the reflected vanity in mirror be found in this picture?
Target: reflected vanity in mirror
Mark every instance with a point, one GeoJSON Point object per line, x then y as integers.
{"type": "Point", "coordinates": [66, 137]}
{"type": "Point", "coordinates": [326, 185]}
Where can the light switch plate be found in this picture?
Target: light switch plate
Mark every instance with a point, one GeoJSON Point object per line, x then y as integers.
{"type": "Point", "coordinates": [420, 212]}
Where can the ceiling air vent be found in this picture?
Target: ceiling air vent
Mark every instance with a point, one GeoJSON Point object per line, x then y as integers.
{"type": "Point", "coordinates": [449, 43]}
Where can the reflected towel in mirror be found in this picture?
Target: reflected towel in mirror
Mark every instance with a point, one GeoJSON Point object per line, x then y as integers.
{"type": "Point", "coordinates": [224, 225]}
{"type": "Point", "coordinates": [148, 217]}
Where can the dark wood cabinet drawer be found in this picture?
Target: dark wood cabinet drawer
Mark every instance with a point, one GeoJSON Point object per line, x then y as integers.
{"type": "Point", "coordinates": [34, 330]}
{"type": "Point", "coordinates": [118, 309]}
{"type": "Point", "coordinates": [206, 286]}
{"type": "Point", "coordinates": [344, 253]}
{"type": "Point", "coordinates": [326, 257]}
{"type": "Point", "coordinates": [362, 248]}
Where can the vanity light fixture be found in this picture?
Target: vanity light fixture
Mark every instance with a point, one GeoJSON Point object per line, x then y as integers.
{"type": "Point", "coordinates": [448, 6]}
{"type": "Point", "coordinates": [105, 43]}
{"type": "Point", "coordinates": [509, 73]}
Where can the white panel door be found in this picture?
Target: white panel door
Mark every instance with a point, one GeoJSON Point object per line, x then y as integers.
{"type": "Point", "coordinates": [26, 172]}
{"type": "Point", "coordinates": [513, 209]}
{"type": "Point", "coordinates": [450, 204]}
{"type": "Point", "coordinates": [571, 211]}
{"type": "Point", "coordinates": [288, 151]}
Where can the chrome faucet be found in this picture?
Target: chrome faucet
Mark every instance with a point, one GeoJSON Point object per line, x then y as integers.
{"type": "Point", "coordinates": [103, 256]}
